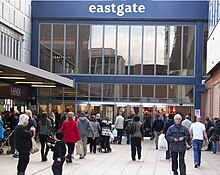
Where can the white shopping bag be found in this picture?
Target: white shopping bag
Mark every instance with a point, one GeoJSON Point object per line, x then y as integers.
{"type": "Point", "coordinates": [162, 142]}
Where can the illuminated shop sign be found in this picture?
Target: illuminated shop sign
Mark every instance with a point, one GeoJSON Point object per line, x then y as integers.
{"type": "Point", "coordinates": [119, 10]}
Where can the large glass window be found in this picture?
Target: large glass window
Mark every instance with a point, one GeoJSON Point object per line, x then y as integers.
{"type": "Point", "coordinates": [69, 93]}
{"type": "Point", "coordinates": [175, 51]}
{"type": "Point", "coordinates": [45, 46]}
{"type": "Point", "coordinates": [109, 49]}
{"type": "Point", "coordinates": [123, 49]}
{"type": "Point", "coordinates": [162, 50]}
{"type": "Point", "coordinates": [70, 62]}
{"type": "Point", "coordinates": [121, 92]}
{"type": "Point", "coordinates": [83, 49]}
{"type": "Point", "coordinates": [161, 91]}
{"type": "Point", "coordinates": [58, 48]}
{"type": "Point", "coordinates": [57, 93]}
{"type": "Point", "coordinates": [148, 50]}
{"type": "Point", "coordinates": [95, 92]}
{"type": "Point", "coordinates": [135, 50]}
{"type": "Point", "coordinates": [108, 92]}
{"type": "Point", "coordinates": [96, 49]}
{"type": "Point", "coordinates": [147, 92]}
{"type": "Point", "coordinates": [82, 91]}
{"type": "Point", "coordinates": [188, 50]}
{"type": "Point", "coordinates": [134, 93]}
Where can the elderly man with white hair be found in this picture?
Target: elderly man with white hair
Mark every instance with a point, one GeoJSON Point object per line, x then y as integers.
{"type": "Point", "coordinates": [23, 143]}
{"type": "Point", "coordinates": [197, 133]}
{"type": "Point", "coordinates": [177, 135]}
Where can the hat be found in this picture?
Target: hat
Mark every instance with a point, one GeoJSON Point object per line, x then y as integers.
{"type": "Point", "coordinates": [59, 135]}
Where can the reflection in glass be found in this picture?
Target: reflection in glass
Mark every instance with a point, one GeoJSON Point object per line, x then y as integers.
{"type": "Point", "coordinates": [109, 49]}
{"type": "Point", "coordinates": [45, 46]}
{"type": "Point", "coordinates": [83, 49]}
{"type": "Point", "coordinates": [187, 93]}
{"type": "Point", "coordinates": [123, 42]}
{"type": "Point", "coordinates": [149, 51]}
{"type": "Point", "coordinates": [134, 92]}
{"type": "Point", "coordinates": [174, 91]}
{"type": "Point", "coordinates": [162, 50]}
{"type": "Point", "coordinates": [161, 91]}
{"type": "Point", "coordinates": [58, 48]}
{"type": "Point", "coordinates": [108, 92]}
{"type": "Point", "coordinates": [95, 91]}
{"type": "Point", "coordinates": [82, 91]}
{"type": "Point", "coordinates": [69, 93]}
{"type": "Point", "coordinates": [70, 63]}
{"type": "Point", "coordinates": [147, 92]}
{"type": "Point", "coordinates": [96, 49]}
{"type": "Point", "coordinates": [188, 50]}
{"type": "Point", "coordinates": [175, 50]}
{"type": "Point", "coordinates": [57, 93]}
{"type": "Point", "coordinates": [135, 50]}
{"type": "Point", "coordinates": [121, 92]}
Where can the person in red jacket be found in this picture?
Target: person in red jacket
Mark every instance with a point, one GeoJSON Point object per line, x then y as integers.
{"type": "Point", "coordinates": [71, 134]}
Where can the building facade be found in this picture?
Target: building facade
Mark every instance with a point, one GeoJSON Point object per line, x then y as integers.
{"type": "Point", "coordinates": [15, 43]}
{"type": "Point", "coordinates": [146, 55]}
{"type": "Point", "coordinates": [212, 95]}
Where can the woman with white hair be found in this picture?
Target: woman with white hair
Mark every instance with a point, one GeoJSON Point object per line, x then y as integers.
{"type": "Point", "coordinates": [23, 143]}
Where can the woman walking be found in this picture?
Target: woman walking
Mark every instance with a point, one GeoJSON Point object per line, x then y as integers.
{"type": "Point", "coordinates": [71, 134]}
{"type": "Point", "coordinates": [93, 140]}
{"type": "Point", "coordinates": [44, 132]}
{"type": "Point", "coordinates": [136, 138]}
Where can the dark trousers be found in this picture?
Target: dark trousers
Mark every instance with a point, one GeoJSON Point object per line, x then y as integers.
{"type": "Point", "coordinates": [43, 140]}
{"type": "Point", "coordinates": [93, 144]}
{"type": "Point", "coordinates": [57, 167]}
{"type": "Point", "coordinates": [105, 143]}
{"type": "Point", "coordinates": [168, 152]}
{"type": "Point", "coordinates": [135, 145]}
{"type": "Point", "coordinates": [128, 137]}
{"type": "Point", "coordinates": [182, 164]}
{"type": "Point", "coordinates": [119, 136]}
{"type": "Point", "coordinates": [70, 147]}
{"type": "Point", "coordinates": [23, 161]}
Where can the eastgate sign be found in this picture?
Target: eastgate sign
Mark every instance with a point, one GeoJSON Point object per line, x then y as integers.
{"type": "Point", "coordinates": [119, 10]}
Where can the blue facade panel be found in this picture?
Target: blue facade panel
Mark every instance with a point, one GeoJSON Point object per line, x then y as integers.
{"type": "Point", "coordinates": [130, 9]}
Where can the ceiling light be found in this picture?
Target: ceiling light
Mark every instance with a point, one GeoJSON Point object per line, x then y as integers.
{"type": "Point", "coordinates": [43, 86]}
{"type": "Point", "coordinates": [28, 82]}
{"type": "Point", "coordinates": [13, 78]}
{"type": "Point", "coordinates": [1, 71]}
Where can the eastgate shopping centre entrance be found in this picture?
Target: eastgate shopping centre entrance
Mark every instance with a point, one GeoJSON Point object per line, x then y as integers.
{"type": "Point", "coordinates": [147, 60]}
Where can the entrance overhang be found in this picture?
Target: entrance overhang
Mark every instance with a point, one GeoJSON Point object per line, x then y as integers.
{"type": "Point", "coordinates": [15, 72]}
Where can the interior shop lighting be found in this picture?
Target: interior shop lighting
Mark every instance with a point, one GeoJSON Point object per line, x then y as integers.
{"type": "Point", "coordinates": [13, 78]}
{"type": "Point", "coordinates": [43, 86]}
{"type": "Point", "coordinates": [28, 82]}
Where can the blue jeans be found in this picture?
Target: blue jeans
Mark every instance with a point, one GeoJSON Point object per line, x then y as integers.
{"type": "Point", "coordinates": [214, 147]}
{"type": "Point", "coordinates": [197, 147]}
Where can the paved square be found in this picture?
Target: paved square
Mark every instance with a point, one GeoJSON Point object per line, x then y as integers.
{"type": "Point", "coordinates": [116, 163]}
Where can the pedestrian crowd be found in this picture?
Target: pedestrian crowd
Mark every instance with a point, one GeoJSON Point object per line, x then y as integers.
{"type": "Point", "coordinates": [71, 135]}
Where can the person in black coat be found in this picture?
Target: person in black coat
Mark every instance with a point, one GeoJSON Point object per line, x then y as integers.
{"type": "Point", "coordinates": [23, 143]}
{"type": "Point", "coordinates": [177, 135]}
{"type": "Point", "coordinates": [59, 154]}
{"type": "Point", "coordinates": [167, 124]}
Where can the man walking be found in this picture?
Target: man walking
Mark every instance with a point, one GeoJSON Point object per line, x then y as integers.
{"type": "Point", "coordinates": [177, 135]}
{"type": "Point", "coordinates": [157, 128]}
{"type": "Point", "coordinates": [197, 133]}
{"type": "Point", "coordinates": [119, 125]}
{"type": "Point", "coordinates": [85, 128]}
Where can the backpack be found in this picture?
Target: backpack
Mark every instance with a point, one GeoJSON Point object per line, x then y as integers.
{"type": "Point", "coordinates": [132, 128]}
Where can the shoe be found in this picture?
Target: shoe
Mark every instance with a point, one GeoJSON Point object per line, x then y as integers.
{"type": "Point", "coordinates": [139, 158]}
{"type": "Point", "coordinates": [81, 157]}
{"type": "Point", "coordinates": [167, 158]}
{"type": "Point", "coordinates": [196, 166]}
{"type": "Point", "coordinates": [156, 147]}
{"type": "Point", "coordinates": [133, 159]}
